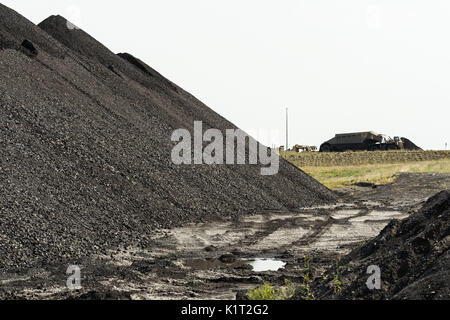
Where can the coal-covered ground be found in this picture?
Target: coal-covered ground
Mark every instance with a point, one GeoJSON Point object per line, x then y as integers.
{"type": "Point", "coordinates": [412, 255]}
{"type": "Point", "coordinates": [207, 260]}
{"type": "Point", "coordinates": [85, 151]}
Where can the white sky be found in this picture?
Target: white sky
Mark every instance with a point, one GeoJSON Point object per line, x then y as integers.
{"type": "Point", "coordinates": [339, 65]}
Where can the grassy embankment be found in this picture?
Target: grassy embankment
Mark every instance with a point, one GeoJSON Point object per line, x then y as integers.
{"type": "Point", "coordinates": [343, 169]}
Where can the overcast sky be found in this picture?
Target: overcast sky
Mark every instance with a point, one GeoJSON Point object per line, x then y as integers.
{"type": "Point", "coordinates": [338, 65]}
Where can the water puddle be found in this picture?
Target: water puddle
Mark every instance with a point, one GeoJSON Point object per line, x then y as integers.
{"type": "Point", "coordinates": [258, 265]}
{"type": "Point", "coordinates": [261, 265]}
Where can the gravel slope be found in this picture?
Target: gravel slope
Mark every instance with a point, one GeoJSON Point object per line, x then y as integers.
{"type": "Point", "coordinates": [85, 151]}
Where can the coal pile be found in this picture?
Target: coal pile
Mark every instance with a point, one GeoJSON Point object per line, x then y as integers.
{"type": "Point", "coordinates": [409, 145]}
{"type": "Point", "coordinates": [85, 151]}
{"type": "Point", "coordinates": [413, 256]}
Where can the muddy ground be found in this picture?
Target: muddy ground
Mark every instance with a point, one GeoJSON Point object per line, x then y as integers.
{"type": "Point", "coordinates": [214, 260]}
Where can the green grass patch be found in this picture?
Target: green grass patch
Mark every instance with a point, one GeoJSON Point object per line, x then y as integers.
{"type": "Point", "coordinates": [336, 177]}
{"type": "Point", "coordinates": [305, 290]}
{"type": "Point", "coordinates": [269, 292]}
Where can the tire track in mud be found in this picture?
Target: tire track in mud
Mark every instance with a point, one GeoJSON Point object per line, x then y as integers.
{"type": "Point", "coordinates": [316, 223]}
{"type": "Point", "coordinates": [316, 228]}
{"type": "Point", "coordinates": [320, 227]}
{"type": "Point", "coordinates": [270, 226]}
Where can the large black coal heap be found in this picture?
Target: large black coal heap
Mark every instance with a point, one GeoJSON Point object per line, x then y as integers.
{"type": "Point", "coordinates": [85, 151]}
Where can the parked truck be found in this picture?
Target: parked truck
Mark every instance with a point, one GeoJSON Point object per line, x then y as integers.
{"type": "Point", "coordinates": [357, 141]}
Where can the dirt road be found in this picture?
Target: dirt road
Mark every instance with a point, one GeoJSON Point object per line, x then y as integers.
{"type": "Point", "coordinates": [215, 260]}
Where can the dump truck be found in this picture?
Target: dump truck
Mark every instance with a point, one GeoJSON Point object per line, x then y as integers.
{"type": "Point", "coordinates": [358, 141]}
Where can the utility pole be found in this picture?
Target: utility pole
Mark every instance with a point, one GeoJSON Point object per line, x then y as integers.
{"type": "Point", "coordinates": [287, 129]}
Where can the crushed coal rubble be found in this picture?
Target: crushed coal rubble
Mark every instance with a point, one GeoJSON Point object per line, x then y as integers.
{"type": "Point", "coordinates": [412, 257]}
{"type": "Point", "coordinates": [85, 151]}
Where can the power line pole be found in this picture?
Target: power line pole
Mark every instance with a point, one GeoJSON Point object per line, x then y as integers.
{"type": "Point", "coordinates": [287, 128]}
